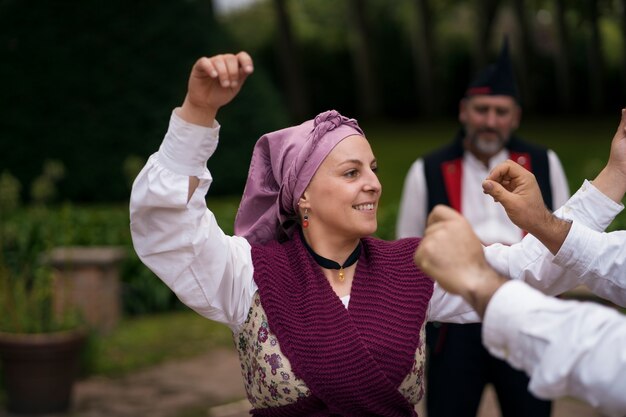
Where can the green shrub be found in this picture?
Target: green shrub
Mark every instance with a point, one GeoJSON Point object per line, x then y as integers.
{"type": "Point", "coordinates": [106, 225]}
{"type": "Point", "coordinates": [26, 283]}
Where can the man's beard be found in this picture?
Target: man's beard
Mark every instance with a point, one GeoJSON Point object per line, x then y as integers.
{"type": "Point", "coordinates": [487, 146]}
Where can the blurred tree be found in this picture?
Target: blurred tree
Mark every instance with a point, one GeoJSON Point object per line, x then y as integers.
{"type": "Point", "coordinates": [623, 30]}
{"type": "Point", "coordinates": [368, 94]}
{"type": "Point", "coordinates": [527, 53]}
{"type": "Point", "coordinates": [595, 57]}
{"type": "Point", "coordinates": [289, 59]}
{"type": "Point", "coordinates": [407, 40]}
{"type": "Point", "coordinates": [563, 58]}
{"type": "Point", "coordinates": [486, 11]}
{"type": "Point", "coordinates": [209, 10]}
{"type": "Point", "coordinates": [423, 45]}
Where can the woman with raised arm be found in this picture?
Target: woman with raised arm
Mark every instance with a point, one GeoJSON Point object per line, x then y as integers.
{"type": "Point", "coordinates": [327, 320]}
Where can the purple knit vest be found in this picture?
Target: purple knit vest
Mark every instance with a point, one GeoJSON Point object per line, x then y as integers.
{"type": "Point", "coordinates": [354, 360]}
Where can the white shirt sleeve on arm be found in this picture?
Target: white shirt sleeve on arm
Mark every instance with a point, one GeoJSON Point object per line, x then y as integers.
{"type": "Point", "coordinates": [590, 207]}
{"type": "Point", "coordinates": [530, 261]}
{"type": "Point", "coordinates": [413, 208]}
{"type": "Point", "coordinates": [568, 348]}
{"type": "Point", "coordinates": [180, 241]}
{"type": "Point", "coordinates": [450, 308]}
{"type": "Point", "coordinates": [599, 259]}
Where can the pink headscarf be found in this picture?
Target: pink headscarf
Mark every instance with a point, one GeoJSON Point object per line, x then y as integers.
{"type": "Point", "coordinates": [283, 163]}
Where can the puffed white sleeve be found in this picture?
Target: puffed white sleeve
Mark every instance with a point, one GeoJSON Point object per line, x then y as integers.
{"type": "Point", "coordinates": [450, 308]}
{"type": "Point", "coordinates": [180, 240]}
{"type": "Point", "coordinates": [568, 348]}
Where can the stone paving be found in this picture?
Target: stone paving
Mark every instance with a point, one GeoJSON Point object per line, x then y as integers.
{"type": "Point", "coordinates": [209, 386]}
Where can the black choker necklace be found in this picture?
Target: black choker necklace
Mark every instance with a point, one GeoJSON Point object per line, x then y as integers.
{"type": "Point", "coordinates": [330, 264]}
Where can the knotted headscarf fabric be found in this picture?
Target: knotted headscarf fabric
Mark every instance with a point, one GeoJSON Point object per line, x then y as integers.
{"type": "Point", "coordinates": [283, 163]}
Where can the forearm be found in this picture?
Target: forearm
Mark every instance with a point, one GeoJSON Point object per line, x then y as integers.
{"type": "Point", "coordinates": [551, 232]}
{"type": "Point", "coordinates": [612, 183]}
{"type": "Point", "coordinates": [474, 292]}
{"type": "Point", "coordinates": [197, 115]}
{"type": "Point", "coordinates": [531, 262]}
{"type": "Point", "coordinates": [486, 281]}
{"type": "Point", "coordinates": [193, 185]}
{"type": "Point", "coordinates": [589, 205]}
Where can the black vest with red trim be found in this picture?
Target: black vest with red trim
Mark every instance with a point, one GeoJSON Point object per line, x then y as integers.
{"type": "Point", "coordinates": [443, 170]}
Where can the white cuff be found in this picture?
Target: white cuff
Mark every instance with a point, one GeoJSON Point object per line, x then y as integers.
{"type": "Point", "coordinates": [591, 207]}
{"type": "Point", "coordinates": [187, 147]}
{"type": "Point", "coordinates": [574, 247]}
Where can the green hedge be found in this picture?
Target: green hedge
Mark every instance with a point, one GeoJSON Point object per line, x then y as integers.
{"type": "Point", "coordinates": [92, 84]}
{"type": "Point", "coordinates": [31, 230]}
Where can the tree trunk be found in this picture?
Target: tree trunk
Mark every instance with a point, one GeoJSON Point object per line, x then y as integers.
{"type": "Point", "coordinates": [594, 51]}
{"type": "Point", "coordinates": [367, 87]}
{"type": "Point", "coordinates": [290, 65]}
{"type": "Point", "coordinates": [210, 10]}
{"type": "Point", "coordinates": [423, 58]}
{"type": "Point", "coordinates": [624, 48]}
{"type": "Point", "coordinates": [528, 53]}
{"type": "Point", "coordinates": [486, 12]}
{"type": "Point", "coordinates": [563, 59]}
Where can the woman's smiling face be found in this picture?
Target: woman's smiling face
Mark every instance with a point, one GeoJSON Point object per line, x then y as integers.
{"type": "Point", "coordinates": [343, 195]}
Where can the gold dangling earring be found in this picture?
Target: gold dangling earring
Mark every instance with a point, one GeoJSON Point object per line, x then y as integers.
{"type": "Point", "coordinates": [305, 220]}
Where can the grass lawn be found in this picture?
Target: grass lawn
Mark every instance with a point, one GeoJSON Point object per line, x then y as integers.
{"type": "Point", "coordinates": [147, 340]}
{"type": "Point", "coordinates": [582, 144]}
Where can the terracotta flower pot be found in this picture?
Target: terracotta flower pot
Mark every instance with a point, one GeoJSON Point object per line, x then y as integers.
{"type": "Point", "coordinates": [39, 370]}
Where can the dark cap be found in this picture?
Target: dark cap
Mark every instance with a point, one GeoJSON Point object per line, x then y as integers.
{"type": "Point", "coordinates": [497, 79]}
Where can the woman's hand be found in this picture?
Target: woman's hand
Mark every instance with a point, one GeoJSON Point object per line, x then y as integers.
{"type": "Point", "coordinates": [214, 82]}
